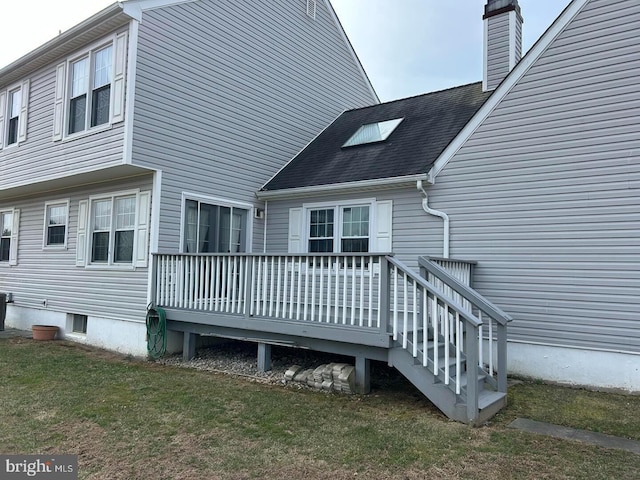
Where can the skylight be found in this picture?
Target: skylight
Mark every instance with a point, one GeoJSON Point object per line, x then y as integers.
{"type": "Point", "coordinates": [373, 132]}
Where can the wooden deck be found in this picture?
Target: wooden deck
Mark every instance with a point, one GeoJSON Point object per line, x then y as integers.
{"type": "Point", "coordinates": [435, 330]}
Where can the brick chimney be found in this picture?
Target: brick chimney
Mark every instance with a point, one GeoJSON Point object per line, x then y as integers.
{"type": "Point", "coordinates": [502, 40]}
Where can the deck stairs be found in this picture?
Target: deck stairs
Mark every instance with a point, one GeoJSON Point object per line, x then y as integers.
{"type": "Point", "coordinates": [443, 395]}
{"type": "Point", "coordinates": [447, 343]}
{"type": "Point", "coordinates": [431, 325]}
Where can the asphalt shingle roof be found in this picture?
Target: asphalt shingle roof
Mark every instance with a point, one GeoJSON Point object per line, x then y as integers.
{"type": "Point", "coordinates": [431, 122]}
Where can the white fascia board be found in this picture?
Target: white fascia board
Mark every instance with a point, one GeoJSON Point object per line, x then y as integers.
{"type": "Point", "coordinates": [134, 8]}
{"type": "Point", "coordinates": [505, 87]}
{"type": "Point", "coordinates": [362, 185]}
{"type": "Point", "coordinates": [303, 149]}
{"type": "Point", "coordinates": [354, 55]}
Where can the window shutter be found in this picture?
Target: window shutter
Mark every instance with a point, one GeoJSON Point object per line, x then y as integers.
{"type": "Point", "coordinates": [119, 67]}
{"type": "Point", "coordinates": [3, 109]}
{"type": "Point", "coordinates": [81, 243]}
{"type": "Point", "coordinates": [13, 247]}
{"type": "Point", "coordinates": [295, 230]}
{"type": "Point", "coordinates": [383, 226]}
{"type": "Point", "coordinates": [142, 230]}
{"type": "Point", "coordinates": [24, 111]}
{"type": "Point", "coordinates": [58, 109]}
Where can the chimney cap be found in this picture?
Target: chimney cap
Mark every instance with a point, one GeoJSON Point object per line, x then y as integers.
{"type": "Point", "coordinates": [497, 7]}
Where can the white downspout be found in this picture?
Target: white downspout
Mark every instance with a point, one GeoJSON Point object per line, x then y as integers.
{"type": "Point", "coordinates": [264, 233]}
{"type": "Point", "coordinates": [436, 213]}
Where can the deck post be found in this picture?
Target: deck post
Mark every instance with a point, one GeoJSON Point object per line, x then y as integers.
{"type": "Point", "coordinates": [153, 284]}
{"type": "Point", "coordinates": [363, 375]}
{"type": "Point", "coordinates": [189, 345]}
{"type": "Point", "coordinates": [385, 293]}
{"type": "Point", "coordinates": [472, 352]}
{"type": "Point", "coordinates": [502, 358]}
{"type": "Point", "coordinates": [264, 357]}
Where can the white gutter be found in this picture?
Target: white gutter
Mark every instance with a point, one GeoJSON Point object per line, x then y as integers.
{"type": "Point", "coordinates": [436, 213]}
{"type": "Point", "coordinates": [340, 187]}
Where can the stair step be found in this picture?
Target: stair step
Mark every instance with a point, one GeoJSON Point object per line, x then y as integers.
{"type": "Point", "coordinates": [488, 398]}
{"type": "Point", "coordinates": [443, 395]}
{"type": "Point", "coordinates": [464, 379]}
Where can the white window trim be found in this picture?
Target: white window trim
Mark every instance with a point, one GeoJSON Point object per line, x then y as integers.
{"type": "Point", "coordinates": [15, 230]}
{"type": "Point", "coordinates": [55, 203]}
{"type": "Point", "coordinates": [110, 265]}
{"type": "Point", "coordinates": [223, 202]}
{"type": "Point", "coordinates": [337, 228]}
{"type": "Point", "coordinates": [117, 75]}
{"type": "Point", "coordinates": [5, 94]}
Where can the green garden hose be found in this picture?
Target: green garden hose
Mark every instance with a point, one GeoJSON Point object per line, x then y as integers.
{"type": "Point", "coordinates": [156, 332]}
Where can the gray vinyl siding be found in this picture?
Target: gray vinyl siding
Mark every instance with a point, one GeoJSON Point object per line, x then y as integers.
{"type": "Point", "coordinates": [415, 233]}
{"type": "Point", "coordinates": [497, 50]}
{"type": "Point", "coordinates": [52, 275]}
{"type": "Point", "coordinates": [546, 193]}
{"type": "Point", "coordinates": [231, 93]}
{"type": "Point", "coordinates": [40, 158]}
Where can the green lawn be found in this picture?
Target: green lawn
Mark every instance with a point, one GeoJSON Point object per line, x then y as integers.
{"type": "Point", "coordinates": [130, 419]}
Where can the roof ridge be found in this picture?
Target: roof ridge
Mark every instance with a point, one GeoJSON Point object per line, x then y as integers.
{"type": "Point", "coordinates": [414, 96]}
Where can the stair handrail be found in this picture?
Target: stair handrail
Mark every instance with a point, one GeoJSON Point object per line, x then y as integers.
{"type": "Point", "coordinates": [470, 294]}
{"type": "Point", "coordinates": [466, 314]}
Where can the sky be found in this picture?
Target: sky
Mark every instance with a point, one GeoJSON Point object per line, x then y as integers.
{"type": "Point", "coordinates": [407, 47]}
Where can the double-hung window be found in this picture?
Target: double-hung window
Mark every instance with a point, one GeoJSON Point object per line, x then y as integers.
{"type": "Point", "coordinates": [90, 90]}
{"type": "Point", "coordinates": [350, 226]}
{"type": "Point", "coordinates": [55, 224]}
{"type": "Point", "coordinates": [9, 226]}
{"type": "Point", "coordinates": [113, 230]}
{"type": "Point", "coordinates": [6, 225]}
{"type": "Point", "coordinates": [13, 114]}
{"type": "Point", "coordinates": [215, 228]}
{"type": "Point", "coordinates": [350, 234]}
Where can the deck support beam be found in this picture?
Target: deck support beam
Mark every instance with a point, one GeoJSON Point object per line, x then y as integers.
{"type": "Point", "coordinates": [363, 375]}
{"type": "Point", "coordinates": [264, 357]}
{"type": "Point", "coordinates": [189, 345]}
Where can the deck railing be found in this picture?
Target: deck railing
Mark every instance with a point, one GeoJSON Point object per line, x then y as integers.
{"type": "Point", "coordinates": [437, 319]}
{"type": "Point", "coordinates": [492, 331]}
{"type": "Point", "coordinates": [439, 332]}
{"type": "Point", "coordinates": [338, 289]}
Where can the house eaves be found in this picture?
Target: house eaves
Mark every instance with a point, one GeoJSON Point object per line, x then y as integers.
{"type": "Point", "coordinates": [347, 187]}
{"type": "Point", "coordinates": [506, 86]}
{"type": "Point", "coordinates": [66, 43]}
